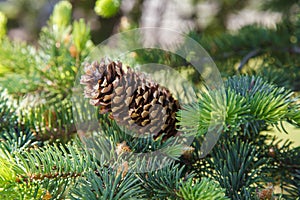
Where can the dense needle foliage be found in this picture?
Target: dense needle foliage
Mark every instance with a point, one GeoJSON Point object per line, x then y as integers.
{"type": "Point", "coordinates": [43, 156]}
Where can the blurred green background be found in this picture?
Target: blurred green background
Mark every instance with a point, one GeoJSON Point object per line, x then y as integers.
{"type": "Point", "coordinates": [26, 17]}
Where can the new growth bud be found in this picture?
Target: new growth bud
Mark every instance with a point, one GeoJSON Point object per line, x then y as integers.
{"type": "Point", "coordinates": [61, 16]}
{"type": "Point", "coordinates": [107, 8]}
{"type": "Point", "coordinates": [81, 34]}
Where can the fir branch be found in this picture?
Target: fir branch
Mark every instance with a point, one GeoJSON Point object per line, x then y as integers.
{"type": "Point", "coordinates": [52, 122]}
{"type": "Point", "coordinates": [163, 183]}
{"type": "Point", "coordinates": [294, 187]}
{"type": "Point", "coordinates": [8, 116]}
{"type": "Point", "coordinates": [268, 103]}
{"type": "Point", "coordinates": [283, 165]}
{"type": "Point", "coordinates": [205, 189]}
{"type": "Point", "coordinates": [10, 186]}
{"type": "Point", "coordinates": [45, 76]}
{"type": "Point", "coordinates": [52, 168]}
{"type": "Point", "coordinates": [236, 168]}
{"type": "Point", "coordinates": [18, 62]}
{"type": "Point", "coordinates": [274, 45]}
{"type": "Point", "coordinates": [14, 136]}
{"type": "Point", "coordinates": [105, 183]}
{"type": "Point", "coordinates": [115, 145]}
{"type": "Point", "coordinates": [214, 109]}
{"type": "Point", "coordinates": [17, 139]}
{"type": "Point", "coordinates": [55, 159]}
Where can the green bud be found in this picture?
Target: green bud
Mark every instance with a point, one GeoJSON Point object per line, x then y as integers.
{"type": "Point", "coordinates": [107, 8]}
{"type": "Point", "coordinates": [3, 22]}
{"type": "Point", "coordinates": [81, 34]}
{"type": "Point", "coordinates": [61, 16]}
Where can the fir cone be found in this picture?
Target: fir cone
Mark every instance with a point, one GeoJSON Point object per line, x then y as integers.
{"type": "Point", "coordinates": [140, 105]}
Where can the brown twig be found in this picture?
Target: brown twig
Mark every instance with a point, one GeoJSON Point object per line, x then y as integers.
{"type": "Point", "coordinates": [246, 58]}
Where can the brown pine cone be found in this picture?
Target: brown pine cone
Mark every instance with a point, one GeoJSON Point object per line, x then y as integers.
{"type": "Point", "coordinates": [140, 105]}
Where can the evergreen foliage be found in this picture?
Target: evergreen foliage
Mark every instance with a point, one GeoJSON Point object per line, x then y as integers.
{"type": "Point", "coordinates": [204, 190]}
{"type": "Point", "coordinates": [41, 157]}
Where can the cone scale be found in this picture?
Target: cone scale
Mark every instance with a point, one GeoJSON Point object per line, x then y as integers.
{"type": "Point", "coordinates": [141, 105]}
